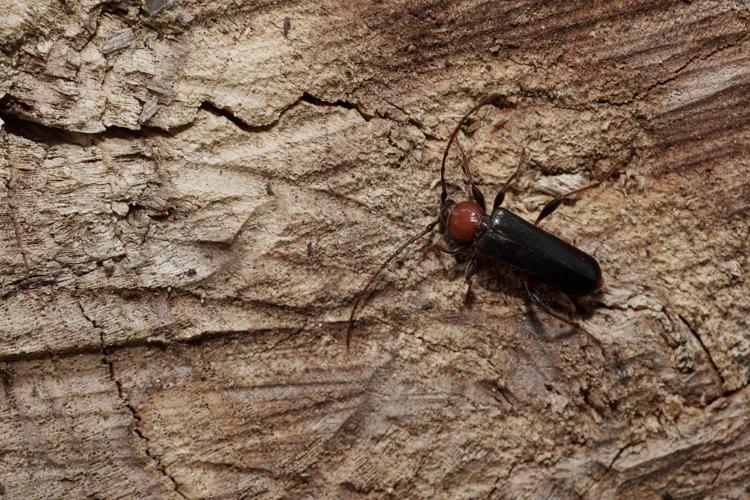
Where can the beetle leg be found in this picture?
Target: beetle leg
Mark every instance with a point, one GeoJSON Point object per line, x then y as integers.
{"type": "Point", "coordinates": [497, 100]}
{"type": "Point", "coordinates": [500, 197]}
{"type": "Point", "coordinates": [478, 197]}
{"type": "Point", "coordinates": [436, 247]}
{"type": "Point", "coordinates": [472, 188]}
{"type": "Point", "coordinates": [555, 202]}
{"type": "Point", "coordinates": [471, 270]}
{"type": "Point", "coordinates": [465, 166]}
{"type": "Point", "coordinates": [536, 298]}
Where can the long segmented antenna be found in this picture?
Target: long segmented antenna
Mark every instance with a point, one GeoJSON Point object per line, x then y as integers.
{"type": "Point", "coordinates": [372, 279]}
{"type": "Point", "coordinates": [496, 100]}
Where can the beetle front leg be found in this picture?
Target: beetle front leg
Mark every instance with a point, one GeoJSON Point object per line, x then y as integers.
{"type": "Point", "coordinates": [500, 197]}
{"type": "Point", "coordinates": [436, 247]}
{"type": "Point", "coordinates": [471, 187]}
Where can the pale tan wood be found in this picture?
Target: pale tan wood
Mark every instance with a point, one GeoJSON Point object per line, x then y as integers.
{"type": "Point", "coordinates": [193, 197]}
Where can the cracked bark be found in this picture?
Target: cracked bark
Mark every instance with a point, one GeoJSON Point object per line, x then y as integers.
{"type": "Point", "coordinates": [126, 403]}
{"type": "Point", "coordinates": [166, 330]}
{"type": "Point", "coordinates": [11, 189]}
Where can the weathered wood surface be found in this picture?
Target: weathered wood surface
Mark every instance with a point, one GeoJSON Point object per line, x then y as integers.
{"type": "Point", "coordinates": [164, 331]}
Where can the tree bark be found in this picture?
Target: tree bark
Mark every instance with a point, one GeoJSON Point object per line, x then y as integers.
{"type": "Point", "coordinates": [196, 191]}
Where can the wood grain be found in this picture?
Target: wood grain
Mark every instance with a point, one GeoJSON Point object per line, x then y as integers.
{"type": "Point", "coordinates": [195, 191]}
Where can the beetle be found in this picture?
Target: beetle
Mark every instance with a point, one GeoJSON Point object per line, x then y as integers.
{"type": "Point", "coordinates": [503, 236]}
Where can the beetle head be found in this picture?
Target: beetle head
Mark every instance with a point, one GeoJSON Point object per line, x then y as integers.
{"type": "Point", "coordinates": [462, 222]}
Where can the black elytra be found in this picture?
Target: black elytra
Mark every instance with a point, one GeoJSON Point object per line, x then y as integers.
{"type": "Point", "coordinates": [511, 240]}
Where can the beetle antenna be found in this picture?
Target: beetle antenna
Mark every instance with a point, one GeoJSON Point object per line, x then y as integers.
{"type": "Point", "coordinates": [372, 279]}
{"type": "Point", "coordinates": [497, 100]}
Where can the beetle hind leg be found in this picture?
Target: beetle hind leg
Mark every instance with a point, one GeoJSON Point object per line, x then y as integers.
{"type": "Point", "coordinates": [536, 298]}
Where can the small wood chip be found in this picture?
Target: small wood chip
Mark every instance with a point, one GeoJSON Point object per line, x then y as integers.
{"type": "Point", "coordinates": [118, 42]}
{"type": "Point", "coordinates": [153, 6]}
{"type": "Point", "coordinates": [149, 108]}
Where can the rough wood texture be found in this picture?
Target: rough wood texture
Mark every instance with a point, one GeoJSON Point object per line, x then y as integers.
{"type": "Point", "coordinates": [194, 191]}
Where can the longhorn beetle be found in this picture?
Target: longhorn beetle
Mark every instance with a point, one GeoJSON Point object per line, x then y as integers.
{"type": "Point", "coordinates": [502, 235]}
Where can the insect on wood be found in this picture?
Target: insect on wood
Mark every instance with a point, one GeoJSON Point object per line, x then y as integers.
{"type": "Point", "coordinates": [535, 254]}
